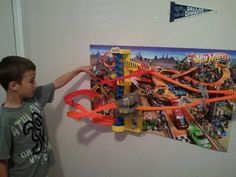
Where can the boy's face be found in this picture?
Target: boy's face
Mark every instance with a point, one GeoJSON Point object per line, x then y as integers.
{"type": "Point", "coordinates": [28, 85]}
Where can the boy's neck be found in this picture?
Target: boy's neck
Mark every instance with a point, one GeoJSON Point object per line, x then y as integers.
{"type": "Point", "coordinates": [13, 101]}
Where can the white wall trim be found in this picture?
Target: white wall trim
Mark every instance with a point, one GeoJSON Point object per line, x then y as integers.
{"type": "Point", "coordinates": [18, 27]}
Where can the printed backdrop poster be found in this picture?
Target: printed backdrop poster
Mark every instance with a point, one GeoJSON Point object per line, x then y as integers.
{"type": "Point", "coordinates": [179, 93]}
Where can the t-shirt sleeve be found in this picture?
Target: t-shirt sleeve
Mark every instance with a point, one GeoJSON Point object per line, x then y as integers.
{"type": "Point", "coordinates": [5, 143]}
{"type": "Point", "coordinates": [45, 94]}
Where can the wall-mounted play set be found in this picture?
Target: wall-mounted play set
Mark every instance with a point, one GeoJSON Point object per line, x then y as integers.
{"type": "Point", "coordinates": [179, 93]}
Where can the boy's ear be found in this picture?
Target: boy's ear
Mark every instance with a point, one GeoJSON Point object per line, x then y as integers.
{"type": "Point", "coordinates": [13, 86]}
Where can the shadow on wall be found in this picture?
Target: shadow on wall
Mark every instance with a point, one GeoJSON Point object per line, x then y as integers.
{"type": "Point", "coordinates": [90, 131]}
{"type": "Point", "coordinates": [53, 122]}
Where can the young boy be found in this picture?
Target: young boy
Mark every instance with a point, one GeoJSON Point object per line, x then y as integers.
{"type": "Point", "coordinates": [24, 147]}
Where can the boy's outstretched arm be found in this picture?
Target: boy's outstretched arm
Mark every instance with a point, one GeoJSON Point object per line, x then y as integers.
{"type": "Point", "coordinates": [65, 78]}
{"type": "Point", "coordinates": [3, 168]}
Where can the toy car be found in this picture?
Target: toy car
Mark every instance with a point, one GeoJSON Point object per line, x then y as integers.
{"type": "Point", "coordinates": [198, 136]}
{"type": "Point", "coordinates": [218, 130]}
{"type": "Point", "coordinates": [158, 101]}
{"type": "Point", "coordinates": [181, 121]}
{"type": "Point", "coordinates": [177, 90]}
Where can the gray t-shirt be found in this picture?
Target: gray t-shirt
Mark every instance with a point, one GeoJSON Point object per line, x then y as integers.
{"type": "Point", "coordinates": [24, 138]}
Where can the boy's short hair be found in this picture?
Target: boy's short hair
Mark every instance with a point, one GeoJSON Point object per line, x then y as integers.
{"type": "Point", "coordinates": [12, 68]}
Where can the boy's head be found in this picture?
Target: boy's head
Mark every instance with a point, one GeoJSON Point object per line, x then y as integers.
{"type": "Point", "coordinates": [13, 68]}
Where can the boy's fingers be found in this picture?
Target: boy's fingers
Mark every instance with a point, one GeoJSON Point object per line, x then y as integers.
{"type": "Point", "coordinates": [90, 73]}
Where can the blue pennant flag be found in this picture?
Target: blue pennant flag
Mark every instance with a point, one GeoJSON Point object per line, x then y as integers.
{"type": "Point", "coordinates": [179, 11]}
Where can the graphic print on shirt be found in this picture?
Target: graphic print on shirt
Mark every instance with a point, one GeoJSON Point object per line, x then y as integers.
{"type": "Point", "coordinates": [30, 125]}
{"type": "Point", "coordinates": [35, 128]}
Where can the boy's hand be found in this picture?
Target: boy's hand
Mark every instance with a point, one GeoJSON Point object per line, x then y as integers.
{"type": "Point", "coordinates": [88, 70]}
{"type": "Point", "coordinates": [3, 168]}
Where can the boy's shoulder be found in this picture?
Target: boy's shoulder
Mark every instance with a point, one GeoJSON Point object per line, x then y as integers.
{"type": "Point", "coordinates": [4, 117]}
{"type": "Point", "coordinates": [10, 115]}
